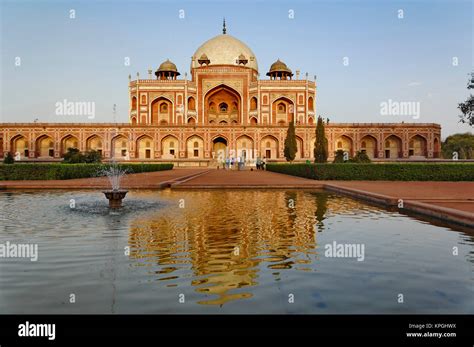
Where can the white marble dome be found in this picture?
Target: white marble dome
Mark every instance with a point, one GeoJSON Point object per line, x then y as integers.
{"type": "Point", "coordinates": [224, 50]}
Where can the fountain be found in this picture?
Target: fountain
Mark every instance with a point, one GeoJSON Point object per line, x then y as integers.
{"type": "Point", "coordinates": [115, 196]}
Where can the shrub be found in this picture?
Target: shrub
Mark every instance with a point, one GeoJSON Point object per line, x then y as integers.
{"type": "Point", "coordinates": [377, 172]}
{"type": "Point", "coordinates": [93, 156]}
{"type": "Point", "coordinates": [339, 156]}
{"type": "Point", "coordinates": [63, 172]}
{"type": "Point", "coordinates": [73, 156]}
{"type": "Point", "coordinates": [8, 158]}
{"type": "Point", "coordinates": [361, 157]}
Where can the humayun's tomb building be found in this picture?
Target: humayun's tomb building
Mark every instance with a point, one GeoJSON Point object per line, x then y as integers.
{"type": "Point", "coordinates": [223, 106]}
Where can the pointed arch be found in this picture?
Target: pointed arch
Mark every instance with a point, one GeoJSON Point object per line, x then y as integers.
{"type": "Point", "coordinates": [44, 146]}
{"type": "Point", "coordinates": [368, 145]}
{"type": "Point", "coordinates": [161, 110]}
{"type": "Point", "coordinates": [310, 103]}
{"type": "Point", "coordinates": [120, 147]}
{"type": "Point", "coordinates": [245, 146]}
{"type": "Point", "coordinates": [95, 143]}
{"type": "Point", "coordinates": [418, 146]}
{"type": "Point", "coordinates": [19, 146]}
{"type": "Point", "coordinates": [345, 143]}
{"type": "Point", "coordinates": [69, 141]}
{"type": "Point", "coordinates": [253, 103]}
{"type": "Point", "coordinates": [269, 147]}
{"type": "Point", "coordinates": [283, 110]}
{"type": "Point", "coordinates": [145, 147]}
{"type": "Point", "coordinates": [195, 147]}
{"type": "Point", "coordinates": [222, 94]}
{"type": "Point", "coordinates": [191, 103]}
{"type": "Point", "coordinates": [169, 147]}
{"type": "Point", "coordinates": [393, 147]}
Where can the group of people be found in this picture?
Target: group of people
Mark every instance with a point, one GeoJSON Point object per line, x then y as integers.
{"type": "Point", "coordinates": [261, 163]}
{"type": "Point", "coordinates": [231, 163]}
{"type": "Point", "coordinates": [239, 163]}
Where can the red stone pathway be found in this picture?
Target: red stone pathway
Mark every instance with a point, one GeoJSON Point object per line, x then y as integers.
{"type": "Point", "coordinates": [146, 180]}
{"type": "Point", "coordinates": [246, 179]}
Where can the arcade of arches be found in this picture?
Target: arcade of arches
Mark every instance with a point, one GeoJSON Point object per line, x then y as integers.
{"type": "Point", "coordinates": [204, 146]}
{"type": "Point", "coordinates": [222, 106]}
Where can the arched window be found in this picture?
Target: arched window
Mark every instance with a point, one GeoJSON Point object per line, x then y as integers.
{"type": "Point", "coordinates": [253, 103]}
{"type": "Point", "coordinates": [124, 143]}
{"type": "Point", "coordinates": [268, 144]}
{"type": "Point", "coordinates": [281, 108]}
{"type": "Point", "coordinates": [265, 99]}
{"type": "Point", "coordinates": [143, 99]}
{"type": "Point", "coordinates": [363, 144]}
{"type": "Point", "coordinates": [310, 104]}
{"type": "Point", "coordinates": [196, 144]}
{"type": "Point", "coordinates": [163, 108]}
{"type": "Point", "coordinates": [223, 107]}
{"type": "Point", "coordinates": [134, 103]}
{"type": "Point", "coordinates": [191, 104]}
{"type": "Point", "coordinates": [172, 144]}
{"type": "Point", "coordinates": [339, 144]}
{"type": "Point", "coordinates": [147, 144]}
{"type": "Point", "coordinates": [300, 99]}
{"type": "Point", "coordinates": [387, 143]}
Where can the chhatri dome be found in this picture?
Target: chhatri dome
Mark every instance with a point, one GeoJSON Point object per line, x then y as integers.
{"type": "Point", "coordinates": [224, 49]}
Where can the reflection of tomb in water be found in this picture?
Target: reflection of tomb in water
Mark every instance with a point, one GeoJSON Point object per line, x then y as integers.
{"type": "Point", "coordinates": [224, 238]}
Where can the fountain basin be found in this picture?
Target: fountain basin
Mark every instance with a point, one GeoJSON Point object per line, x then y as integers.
{"type": "Point", "coordinates": [115, 197]}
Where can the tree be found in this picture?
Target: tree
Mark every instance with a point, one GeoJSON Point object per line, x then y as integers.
{"type": "Point", "coordinates": [8, 158]}
{"type": "Point", "coordinates": [321, 143]}
{"type": "Point", "coordinates": [339, 156]}
{"type": "Point", "coordinates": [462, 144]}
{"type": "Point", "coordinates": [93, 156]}
{"type": "Point", "coordinates": [467, 107]}
{"type": "Point", "coordinates": [290, 143]}
{"type": "Point", "coordinates": [73, 156]}
{"type": "Point", "coordinates": [361, 157]}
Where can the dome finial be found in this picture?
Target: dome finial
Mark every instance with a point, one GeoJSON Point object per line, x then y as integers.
{"type": "Point", "coordinates": [224, 30]}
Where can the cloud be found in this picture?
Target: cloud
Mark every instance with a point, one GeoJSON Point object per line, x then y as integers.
{"type": "Point", "coordinates": [414, 84]}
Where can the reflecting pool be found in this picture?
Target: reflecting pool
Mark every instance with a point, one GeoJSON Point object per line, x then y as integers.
{"type": "Point", "coordinates": [238, 251]}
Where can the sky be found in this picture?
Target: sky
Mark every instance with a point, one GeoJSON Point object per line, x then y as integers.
{"type": "Point", "coordinates": [364, 54]}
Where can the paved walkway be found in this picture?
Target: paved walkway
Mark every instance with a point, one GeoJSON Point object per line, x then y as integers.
{"type": "Point", "coordinates": [231, 179]}
{"type": "Point", "coordinates": [146, 180]}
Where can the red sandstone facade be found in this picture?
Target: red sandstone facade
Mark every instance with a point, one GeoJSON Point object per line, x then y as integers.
{"type": "Point", "coordinates": [223, 108]}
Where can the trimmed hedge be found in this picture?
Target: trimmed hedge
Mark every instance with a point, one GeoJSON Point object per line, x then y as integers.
{"type": "Point", "coordinates": [69, 171]}
{"type": "Point", "coordinates": [379, 172]}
